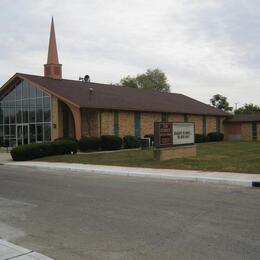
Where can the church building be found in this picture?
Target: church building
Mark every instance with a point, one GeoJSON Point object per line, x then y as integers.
{"type": "Point", "coordinates": [37, 108]}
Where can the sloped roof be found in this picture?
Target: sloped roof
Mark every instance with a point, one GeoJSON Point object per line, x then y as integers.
{"type": "Point", "coordinates": [106, 96]}
{"type": "Point", "coordinates": [244, 118]}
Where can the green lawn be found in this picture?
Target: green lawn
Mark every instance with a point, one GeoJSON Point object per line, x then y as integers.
{"type": "Point", "coordinates": [223, 156]}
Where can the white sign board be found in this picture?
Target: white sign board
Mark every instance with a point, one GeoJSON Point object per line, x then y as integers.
{"type": "Point", "coordinates": [183, 133]}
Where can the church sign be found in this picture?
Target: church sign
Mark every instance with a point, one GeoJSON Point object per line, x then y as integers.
{"type": "Point", "coordinates": [168, 134]}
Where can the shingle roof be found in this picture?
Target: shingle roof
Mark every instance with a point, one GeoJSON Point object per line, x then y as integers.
{"type": "Point", "coordinates": [244, 118]}
{"type": "Point", "coordinates": [106, 96]}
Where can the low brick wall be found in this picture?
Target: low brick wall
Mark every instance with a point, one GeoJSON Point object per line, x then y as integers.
{"type": "Point", "coordinates": [164, 154]}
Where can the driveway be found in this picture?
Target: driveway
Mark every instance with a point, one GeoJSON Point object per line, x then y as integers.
{"type": "Point", "coordinates": [70, 215]}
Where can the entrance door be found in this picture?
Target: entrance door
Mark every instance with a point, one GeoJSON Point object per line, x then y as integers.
{"type": "Point", "coordinates": [22, 134]}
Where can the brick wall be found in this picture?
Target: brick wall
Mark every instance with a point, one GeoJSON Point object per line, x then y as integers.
{"type": "Point", "coordinates": [175, 118]}
{"type": "Point", "coordinates": [147, 122]}
{"type": "Point", "coordinates": [211, 124]}
{"type": "Point", "coordinates": [246, 131]}
{"type": "Point", "coordinates": [107, 123]}
{"type": "Point", "coordinates": [90, 122]}
{"type": "Point", "coordinates": [126, 123]}
{"type": "Point", "coordinates": [197, 120]}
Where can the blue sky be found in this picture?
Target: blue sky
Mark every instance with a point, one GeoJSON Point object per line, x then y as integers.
{"type": "Point", "coordinates": [204, 46]}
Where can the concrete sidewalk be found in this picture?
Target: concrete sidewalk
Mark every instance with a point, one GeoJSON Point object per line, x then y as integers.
{"type": "Point", "coordinates": [241, 179]}
{"type": "Point", "coordinates": [11, 251]}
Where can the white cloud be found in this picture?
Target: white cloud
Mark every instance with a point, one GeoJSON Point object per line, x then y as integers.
{"type": "Point", "coordinates": [204, 46]}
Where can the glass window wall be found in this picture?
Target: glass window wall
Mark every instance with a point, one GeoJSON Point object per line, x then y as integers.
{"type": "Point", "coordinates": [25, 115]}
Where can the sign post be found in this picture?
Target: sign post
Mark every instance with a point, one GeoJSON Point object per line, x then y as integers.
{"type": "Point", "coordinates": [174, 140]}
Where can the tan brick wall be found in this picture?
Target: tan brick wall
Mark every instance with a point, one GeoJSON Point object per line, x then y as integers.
{"type": "Point", "coordinates": [147, 122]}
{"type": "Point", "coordinates": [197, 120]}
{"type": "Point", "coordinates": [90, 123]}
{"type": "Point", "coordinates": [246, 132]}
{"type": "Point", "coordinates": [175, 118]}
{"type": "Point", "coordinates": [175, 152]}
{"type": "Point", "coordinates": [258, 131]}
{"type": "Point", "coordinates": [126, 123]}
{"type": "Point", "coordinates": [211, 124]}
{"type": "Point", "coordinates": [107, 123]}
{"type": "Point", "coordinates": [55, 117]}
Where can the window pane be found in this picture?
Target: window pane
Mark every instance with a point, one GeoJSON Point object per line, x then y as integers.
{"type": "Point", "coordinates": [25, 90]}
{"type": "Point", "coordinates": [39, 133]}
{"type": "Point", "coordinates": [32, 111]}
{"type": "Point", "coordinates": [32, 92]}
{"type": "Point", "coordinates": [1, 135]}
{"type": "Point", "coordinates": [6, 112]}
{"type": "Point", "coordinates": [12, 112]}
{"type": "Point", "coordinates": [47, 132]}
{"type": "Point", "coordinates": [19, 112]}
{"type": "Point", "coordinates": [32, 133]}
{"type": "Point", "coordinates": [39, 110]}
{"type": "Point", "coordinates": [38, 92]}
{"type": "Point", "coordinates": [1, 113]}
{"type": "Point", "coordinates": [25, 111]}
{"type": "Point", "coordinates": [18, 91]}
{"type": "Point", "coordinates": [47, 109]}
{"type": "Point", "coordinates": [12, 131]}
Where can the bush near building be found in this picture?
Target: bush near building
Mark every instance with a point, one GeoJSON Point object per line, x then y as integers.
{"type": "Point", "coordinates": [89, 143]}
{"type": "Point", "coordinates": [215, 137]}
{"type": "Point", "coordinates": [131, 141]}
{"type": "Point", "coordinates": [111, 142]}
{"type": "Point", "coordinates": [32, 151]}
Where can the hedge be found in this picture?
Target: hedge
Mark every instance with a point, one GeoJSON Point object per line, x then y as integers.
{"type": "Point", "coordinates": [111, 142]}
{"type": "Point", "coordinates": [32, 151]}
{"type": "Point", "coordinates": [200, 138]}
{"type": "Point", "coordinates": [89, 143]}
{"type": "Point", "coordinates": [215, 137]}
{"type": "Point", "coordinates": [131, 141]}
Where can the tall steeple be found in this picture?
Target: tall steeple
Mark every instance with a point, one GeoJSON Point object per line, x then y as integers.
{"type": "Point", "coordinates": [53, 69]}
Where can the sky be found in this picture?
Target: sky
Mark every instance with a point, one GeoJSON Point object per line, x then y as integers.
{"type": "Point", "coordinates": [205, 47]}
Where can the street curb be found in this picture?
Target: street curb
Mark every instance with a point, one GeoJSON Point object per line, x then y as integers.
{"type": "Point", "coordinates": [116, 171]}
{"type": "Point", "coordinates": [9, 250]}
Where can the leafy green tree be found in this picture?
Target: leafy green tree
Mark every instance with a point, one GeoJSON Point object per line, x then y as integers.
{"type": "Point", "coordinates": [129, 81]}
{"type": "Point", "coordinates": [220, 102]}
{"type": "Point", "coordinates": [248, 109]}
{"type": "Point", "coordinates": [152, 79]}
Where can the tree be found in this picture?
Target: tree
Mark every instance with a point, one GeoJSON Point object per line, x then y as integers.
{"type": "Point", "coordinates": [248, 109]}
{"type": "Point", "coordinates": [129, 81]}
{"type": "Point", "coordinates": [220, 102]}
{"type": "Point", "coordinates": [152, 79]}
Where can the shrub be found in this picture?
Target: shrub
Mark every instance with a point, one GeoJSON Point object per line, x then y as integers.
{"type": "Point", "coordinates": [131, 142]}
{"type": "Point", "coordinates": [151, 136]}
{"type": "Point", "coordinates": [89, 143]}
{"type": "Point", "coordinates": [200, 138]}
{"type": "Point", "coordinates": [111, 142]}
{"type": "Point", "coordinates": [66, 139]}
{"type": "Point", "coordinates": [32, 151]}
{"type": "Point", "coordinates": [215, 137]}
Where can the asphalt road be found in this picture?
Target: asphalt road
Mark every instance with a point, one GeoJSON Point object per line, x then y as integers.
{"type": "Point", "coordinates": [71, 215]}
